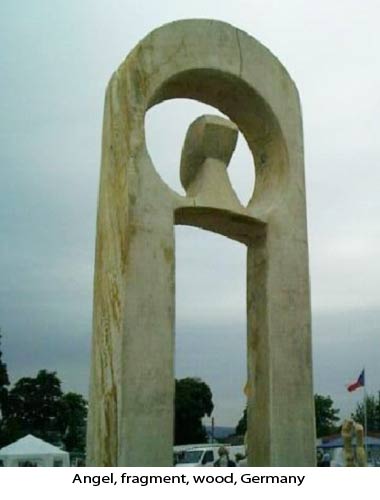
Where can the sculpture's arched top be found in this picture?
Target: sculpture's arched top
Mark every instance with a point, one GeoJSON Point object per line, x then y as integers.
{"type": "Point", "coordinates": [217, 64]}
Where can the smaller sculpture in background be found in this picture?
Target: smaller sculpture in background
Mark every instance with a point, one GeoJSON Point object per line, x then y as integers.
{"type": "Point", "coordinates": [351, 429]}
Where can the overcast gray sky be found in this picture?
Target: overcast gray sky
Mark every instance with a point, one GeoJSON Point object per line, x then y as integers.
{"type": "Point", "coordinates": [56, 59]}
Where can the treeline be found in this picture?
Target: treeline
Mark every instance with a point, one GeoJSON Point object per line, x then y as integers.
{"type": "Point", "coordinates": [327, 417]}
{"type": "Point", "coordinates": [38, 406]}
{"type": "Point", "coordinates": [372, 404]}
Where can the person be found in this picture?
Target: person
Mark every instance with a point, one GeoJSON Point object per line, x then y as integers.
{"type": "Point", "coordinates": [224, 460]}
{"type": "Point", "coordinates": [326, 460]}
{"type": "Point", "coordinates": [241, 460]}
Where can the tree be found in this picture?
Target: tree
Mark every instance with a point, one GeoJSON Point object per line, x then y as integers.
{"type": "Point", "coordinates": [4, 383]}
{"type": "Point", "coordinates": [325, 415]}
{"type": "Point", "coordinates": [73, 422]}
{"type": "Point", "coordinates": [38, 406]}
{"type": "Point", "coordinates": [241, 427]}
{"type": "Point", "coordinates": [34, 407]}
{"type": "Point", "coordinates": [193, 400]}
{"type": "Point", "coordinates": [373, 413]}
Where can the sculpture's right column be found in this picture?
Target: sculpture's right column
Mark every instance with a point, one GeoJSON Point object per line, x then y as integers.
{"type": "Point", "coordinates": [281, 405]}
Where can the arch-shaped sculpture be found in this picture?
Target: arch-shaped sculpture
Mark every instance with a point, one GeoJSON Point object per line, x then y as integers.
{"type": "Point", "coordinates": [132, 386]}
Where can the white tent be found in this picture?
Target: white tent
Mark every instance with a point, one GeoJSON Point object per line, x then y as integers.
{"type": "Point", "coordinates": [30, 451]}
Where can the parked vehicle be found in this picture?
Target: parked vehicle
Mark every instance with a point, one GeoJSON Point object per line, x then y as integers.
{"type": "Point", "coordinates": [205, 455]}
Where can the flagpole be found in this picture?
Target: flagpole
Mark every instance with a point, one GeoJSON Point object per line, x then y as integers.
{"type": "Point", "coordinates": [365, 415]}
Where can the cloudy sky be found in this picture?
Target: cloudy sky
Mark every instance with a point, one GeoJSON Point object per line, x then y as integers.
{"type": "Point", "coordinates": [56, 59]}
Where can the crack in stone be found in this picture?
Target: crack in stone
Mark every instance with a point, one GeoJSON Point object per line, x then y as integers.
{"type": "Point", "coordinates": [240, 53]}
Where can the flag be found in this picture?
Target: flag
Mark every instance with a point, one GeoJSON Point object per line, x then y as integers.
{"type": "Point", "coordinates": [359, 383]}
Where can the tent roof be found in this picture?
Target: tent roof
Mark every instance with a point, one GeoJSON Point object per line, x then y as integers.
{"type": "Point", "coordinates": [30, 445]}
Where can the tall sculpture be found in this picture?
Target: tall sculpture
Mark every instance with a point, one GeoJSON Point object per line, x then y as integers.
{"type": "Point", "coordinates": [132, 386]}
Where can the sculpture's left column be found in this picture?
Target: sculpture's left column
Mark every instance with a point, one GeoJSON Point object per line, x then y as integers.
{"type": "Point", "coordinates": [132, 379]}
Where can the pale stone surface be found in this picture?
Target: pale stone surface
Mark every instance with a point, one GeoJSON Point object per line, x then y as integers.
{"type": "Point", "coordinates": [132, 387]}
{"type": "Point", "coordinates": [209, 145]}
